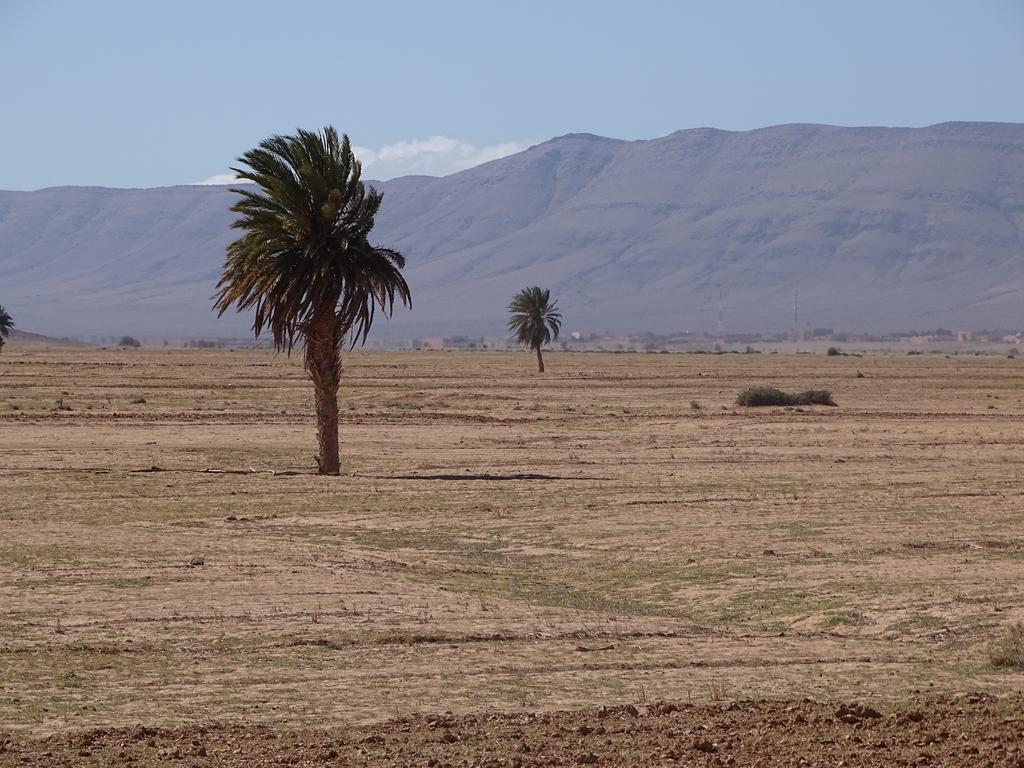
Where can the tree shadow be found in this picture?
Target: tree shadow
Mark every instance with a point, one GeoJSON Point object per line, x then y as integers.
{"type": "Point", "coordinates": [485, 476]}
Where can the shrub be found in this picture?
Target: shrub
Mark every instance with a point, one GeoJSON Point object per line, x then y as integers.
{"type": "Point", "coordinates": [755, 397]}
{"type": "Point", "coordinates": [833, 352]}
{"type": "Point", "coordinates": [1008, 653]}
{"type": "Point", "coordinates": [759, 396]}
{"type": "Point", "coordinates": [129, 341]}
{"type": "Point", "coordinates": [814, 397]}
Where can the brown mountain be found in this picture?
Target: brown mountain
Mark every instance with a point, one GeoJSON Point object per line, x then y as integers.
{"type": "Point", "coordinates": [879, 228]}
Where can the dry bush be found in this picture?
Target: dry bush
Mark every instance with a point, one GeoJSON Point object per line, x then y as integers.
{"type": "Point", "coordinates": [1008, 653]}
{"type": "Point", "coordinates": [754, 397]}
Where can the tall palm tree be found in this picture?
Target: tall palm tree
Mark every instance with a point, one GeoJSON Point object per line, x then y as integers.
{"type": "Point", "coordinates": [6, 324]}
{"type": "Point", "coordinates": [305, 264]}
{"type": "Point", "coordinates": [535, 320]}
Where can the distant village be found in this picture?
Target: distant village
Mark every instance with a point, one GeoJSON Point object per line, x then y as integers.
{"type": "Point", "coordinates": [940, 340]}
{"type": "Point", "coordinates": [808, 340]}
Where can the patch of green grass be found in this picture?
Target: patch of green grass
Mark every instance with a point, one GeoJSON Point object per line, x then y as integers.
{"type": "Point", "coordinates": [920, 621]}
{"type": "Point", "coordinates": [774, 603]}
{"type": "Point", "coordinates": [69, 680]}
{"type": "Point", "coordinates": [28, 556]}
{"type": "Point", "coordinates": [491, 565]}
{"type": "Point", "coordinates": [1008, 651]}
{"type": "Point", "coordinates": [462, 545]}
{"type": "Point", "coordinates": [550, 591]}
{"type": "Point", "coordinates": [709, 574]}
{"type": "Point", "coordinates": [848, 618]}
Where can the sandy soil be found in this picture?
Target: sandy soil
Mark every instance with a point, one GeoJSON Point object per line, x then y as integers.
{"type": "Point", "coordinates": [614, 532]}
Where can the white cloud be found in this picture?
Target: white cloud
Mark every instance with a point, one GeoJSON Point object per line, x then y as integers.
{"type": "Point", "coordinates": [220, 178]}
{"type": "Point", "coordinates": [436, 156]}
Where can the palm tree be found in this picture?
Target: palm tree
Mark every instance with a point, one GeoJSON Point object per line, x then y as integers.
{"type": "Point", "coordinates": [535, 320]}
{"type": "Point", "coordinates": [304, 262]}
{"type": "Point", "coordinates": [6, 324]}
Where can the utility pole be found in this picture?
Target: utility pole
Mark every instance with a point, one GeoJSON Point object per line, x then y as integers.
{"type": "Point", "coordinates": [796, 317]}
{"type": "Point", "coordinates": [721, 324]}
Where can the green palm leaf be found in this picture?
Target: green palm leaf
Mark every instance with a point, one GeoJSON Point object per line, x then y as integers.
{"type": "Point", "coordinates": [305, 250]}
{"type": "Point", "coordinates": [6, 326]}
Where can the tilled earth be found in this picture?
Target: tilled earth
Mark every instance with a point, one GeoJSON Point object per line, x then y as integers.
{"type": "Point", "coordinates": [975, 730]}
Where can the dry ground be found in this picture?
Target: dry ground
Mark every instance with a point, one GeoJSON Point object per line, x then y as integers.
{"type": "Point", "coordinates": [613, 532]}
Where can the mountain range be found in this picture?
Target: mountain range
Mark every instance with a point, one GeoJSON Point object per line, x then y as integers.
{"type": "Point", "coordinates": [877, 228]}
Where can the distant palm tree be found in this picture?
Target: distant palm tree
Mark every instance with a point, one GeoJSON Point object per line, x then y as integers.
{"type": "Point", "coordinates": [535, 320]}
{"type": "Point", "coordinates": [6, 325]}
{"type": "Point", "coordinates": [305, 263]}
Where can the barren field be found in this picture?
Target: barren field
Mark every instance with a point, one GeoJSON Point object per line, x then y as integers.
{"type": "Point", "coordinates": [506, 554]}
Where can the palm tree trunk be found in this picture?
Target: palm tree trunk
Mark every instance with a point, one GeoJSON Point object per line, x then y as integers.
{"type": "Point", "coordinates": [540, 361]}
{"type": "Point", "coordinates": [323, 364]}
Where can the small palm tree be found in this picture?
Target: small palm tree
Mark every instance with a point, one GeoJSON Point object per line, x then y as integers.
{"type": "Point", "coordinates": [305, 264]}
{"type": "Point", "coordinates": [6, 325]}
{"type": "Point", "coordinates": [535, 320]}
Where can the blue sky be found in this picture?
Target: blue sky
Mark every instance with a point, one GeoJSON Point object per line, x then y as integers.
{"type": "Point", "coordinates": [120, 93]}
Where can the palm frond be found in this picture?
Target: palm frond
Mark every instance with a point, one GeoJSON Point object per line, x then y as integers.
{"type": "Point", "coordinates": [6, 323]}
{"type": "Point", "coordinates": [533, 318]}
{"type": "Point", "coordinates": [304, 246]}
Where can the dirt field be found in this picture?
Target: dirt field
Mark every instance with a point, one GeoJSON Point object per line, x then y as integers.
{"type": "Point", "coordinates": [615, 532]}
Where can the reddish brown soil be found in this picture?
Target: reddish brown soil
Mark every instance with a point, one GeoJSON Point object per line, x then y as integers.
{"type": "Point", "coordinates": [972, 730]}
